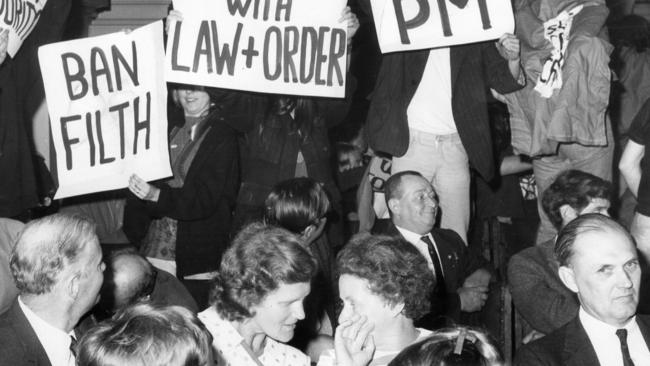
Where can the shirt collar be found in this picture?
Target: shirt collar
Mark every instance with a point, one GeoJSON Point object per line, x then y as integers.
{"type": "Point", "coordinates": [410, 236]}
{"type": "Point", "coordinates": [591, 324]}
{"type": "Point", "coordinates": [55, 341]}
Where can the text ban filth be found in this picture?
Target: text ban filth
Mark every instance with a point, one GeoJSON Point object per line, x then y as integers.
{"type": "Point", "coordinates": [82, 79]}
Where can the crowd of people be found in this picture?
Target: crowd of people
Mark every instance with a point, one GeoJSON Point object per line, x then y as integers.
{"type": "Point", "coordinates": [388, 227]}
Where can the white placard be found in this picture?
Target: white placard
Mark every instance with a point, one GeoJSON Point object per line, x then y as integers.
{"type": "Point", "coordinates": [107, 101]}
{"type": "Point", "coordinates": [272, 46]}
{"type": "Point", "coordinates": [404, 25]}
{"type": "Point", "coordinates": [20, 17]}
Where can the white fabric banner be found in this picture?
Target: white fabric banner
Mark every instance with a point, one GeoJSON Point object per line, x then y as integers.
{"type": "Point", "coordinates": [107, 101]}
{"type": "Point", "coordinates": [283, 46]}
{"type": "Point", "coordinates": [404, 25]}
{"type": "Point", "coordinates": [20, 17]}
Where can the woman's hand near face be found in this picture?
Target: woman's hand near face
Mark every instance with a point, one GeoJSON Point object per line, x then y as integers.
{"type": "Point", "coordinates": [353, 344]}
{"type": "Point", "coordinates": [143, 190]}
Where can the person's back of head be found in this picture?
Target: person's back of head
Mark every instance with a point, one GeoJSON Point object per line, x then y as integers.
{"type": "Point", "coordinates": [147, 335]}
{"type": "Point", "coordinates": [574, 190]}
{"type": "Point", "coordinates": [129, 278]}
{"type": "Point", "coordinates": [57, 266]}
{"type": "Point", "coordinates": [298, 205]}
{"type": "Point", "coordinates": [451, 347]}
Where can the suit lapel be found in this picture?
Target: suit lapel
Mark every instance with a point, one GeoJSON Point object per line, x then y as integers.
{"type": "Point", "coordinates": [34, 351]}
{"type": "Point", "coordinates": [578, 350]}
{"type": "Point", "coordinates": [644, 326]}
{"type": "Point", "coordinates": [448, 259]}
{"type": "Point", "coordinates": [456, 56]}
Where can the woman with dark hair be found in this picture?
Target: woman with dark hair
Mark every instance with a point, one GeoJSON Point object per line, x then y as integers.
{"type": "Point", "coordinates": [182, 224]}
{"type": "Point", "coordinates": [451, 347]}
{"type": "Point", "coordinates": [300, 205]}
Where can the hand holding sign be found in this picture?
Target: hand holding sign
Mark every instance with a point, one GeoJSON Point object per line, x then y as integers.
{"type": "Point", "coordinates": [353, 23]}
{"type": "Point", "coordinates": [173, 17]}
{"type": "Point", "coordinates": [508, 47]}
{"type": "Point", "coordinates": [4, 42]}
{"type": "Point", "coordinates": [143, 190]}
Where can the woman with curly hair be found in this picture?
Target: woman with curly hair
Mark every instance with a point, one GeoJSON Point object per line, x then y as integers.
{"type": "Point", "coordinates": [258, 298]}
{"type": "Point", "coordinates": [384, 284]}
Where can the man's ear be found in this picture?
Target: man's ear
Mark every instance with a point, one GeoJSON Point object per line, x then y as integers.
{"type": "Point", "coordinates": [308, 232]}
{"type": "Point", "coordinates": [393, 205]}
{"type": "Point", "coordinates": [567, 213]}
{"type": "Point", "coordinates": [568, 278]}
{"type": "Point", "coordinates": [73, 283]}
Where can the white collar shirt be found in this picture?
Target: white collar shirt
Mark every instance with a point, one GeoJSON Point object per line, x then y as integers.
{"type": "Point", "coordinates": [607, 345]}
{"type": "Point", "coordinates": [55, 342]}
{"type": "Point", "coordinates": [422, 247]}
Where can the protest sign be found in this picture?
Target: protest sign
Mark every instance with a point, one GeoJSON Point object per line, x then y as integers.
{"type": "Point", "coordinates": [107, 101]}
{"type": "Point", "coordinates": [20, 17]}
{"type": "Point", "coordinates": [404, 25]}
{"type": "Point", "coordinates": [273, 46]}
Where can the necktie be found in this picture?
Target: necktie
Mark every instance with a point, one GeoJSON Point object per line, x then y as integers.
{"type": "Point", "coordinates": [73, 346]}
{"type": "Point", "coordinates": [435, 259]}
{"type": "Point", "coordinates": [622, 336]}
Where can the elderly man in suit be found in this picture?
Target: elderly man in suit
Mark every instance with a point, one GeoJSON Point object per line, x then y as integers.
{"type": "Point", "coordinates": [599, 262]}
{"type": "Point", "coordinates": [462, 279]}
{"type": "Point", "coordinates": [58, 269]}
{"type": "Point", "coordinates": [539, 295]}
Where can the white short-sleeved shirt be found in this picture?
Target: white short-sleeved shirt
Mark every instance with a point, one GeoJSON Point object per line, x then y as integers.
{"type": "Point", "coordinates": [229, 350]}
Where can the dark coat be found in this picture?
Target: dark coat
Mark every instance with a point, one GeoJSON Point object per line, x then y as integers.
{"type": "Point", "coordinates": [474, 68]}
{"type": "Point", "coordinates": [457, 264]}
{"type": "Point", "coordinates": [568, 346]}
{"type": "Point", "coordinates": [269, 152]}
{"type": "Point", "coordinates": [19, 344]}
{"type": "Point", "coordinates": [202, 206]}
{"type": "Point", "coordinates": [535, 271]}
{"type": "Point", "coordinates": [21, 93]}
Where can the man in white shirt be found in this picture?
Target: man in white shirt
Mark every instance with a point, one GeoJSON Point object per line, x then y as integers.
{"type": "Point", "coordinates": [57, 267]}
{"type": "Point", "coordinates": [598, 261]}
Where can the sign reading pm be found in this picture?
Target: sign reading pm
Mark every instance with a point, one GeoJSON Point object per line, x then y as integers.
{"type": "Point", "coordinates": [404, 25]}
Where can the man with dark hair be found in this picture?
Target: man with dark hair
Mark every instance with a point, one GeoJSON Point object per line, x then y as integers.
{"type": "Point", "coordinates": [462, 279]}
{"type": "Point", "coordinates": [130, 278]}
{"type": "Point", "coordinates": [57, 267]}
{"type": "Point", "coordinates": [598, 261]}
{"type": "Point", "coordinates": [539, 295]}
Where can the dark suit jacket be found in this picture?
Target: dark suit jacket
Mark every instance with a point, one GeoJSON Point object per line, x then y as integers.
{"type": "Point", "coordinates": [568, 346]}
{"type": "Point", "coordinates": [474, 68]}
{"type": "Point", "coordinates": [537, 291]}
{"type": "Point", "coordinates": [19, 344]}
{"type": "Point", "coordinates": [457, 264]}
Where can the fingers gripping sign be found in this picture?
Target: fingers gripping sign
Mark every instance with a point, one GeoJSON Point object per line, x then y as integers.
{"type": "Point", "coordinates": [143, 190]}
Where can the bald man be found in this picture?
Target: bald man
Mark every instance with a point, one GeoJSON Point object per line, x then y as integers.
{"type": "Point", "coordinates": [130, 278]}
